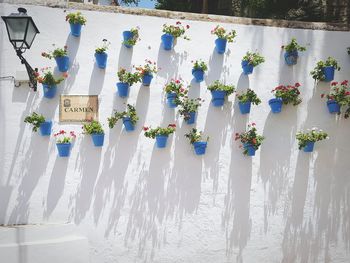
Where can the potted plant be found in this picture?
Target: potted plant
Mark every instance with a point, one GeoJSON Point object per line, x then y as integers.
{"type": "Point", "coordinates": [198, 69]}
{"type": "Point", "coordinates": [61, 57]}
{"type": "Point", "coordinates": [95, 129]}
{"type": "Point", "coordinates": [49, 82]}
{"type": "Point", "coordinates": [171, 33]}
{"type": "Point", "coordinates": [219, 92]}
{"type": "Point", "coordinates": [38, 121]}
{"type": "Point", "coordinates": [195, 138]}
{"type": "Point", "coordinates": [338, 97]}
{"type": "Point", "coordinates": [131, 37]}
{"type": "Point", "coordinates": [306, 141]}
{"type": "Point", "coordinates": [101, 54]}
{"type": "Point", "coordinates": [251, 60]}
{"type": "Point", "coordinates": [189, 108]}
{"type": "Point", "coordinates": [324, 71]}
{"type": "Point", "coordinates": [285, 95]}
{"type": "Point", "coordinates": [146, 72]}
{"type": "Point", "coordinates": [160, 134]}
{"type": "Point", "coordinates": [129, 118]}
{"type": "Point", "coordinates": [174, 91]}
{"type": "Point", "coordinates": [245, 100]}
{"type": "Point", "coordinates": [76, 20]}
{"type": "Point", "coordinates": [64, 142]}
{"type": "Point", "coordinates": [250, 139]}
{"type": "Point", "coordinates": [223, 38]}
{"type": "Point", "coordinates": [126, 79]}
{"type": "Point", "coordinates": [291, 52]}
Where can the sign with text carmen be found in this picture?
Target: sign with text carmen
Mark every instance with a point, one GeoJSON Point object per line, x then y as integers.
{"type": "Point", "coordinates": [78, 108]}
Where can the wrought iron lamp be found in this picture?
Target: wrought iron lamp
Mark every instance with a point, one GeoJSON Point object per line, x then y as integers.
{"type": "Point", "coordinates": [21, 31]}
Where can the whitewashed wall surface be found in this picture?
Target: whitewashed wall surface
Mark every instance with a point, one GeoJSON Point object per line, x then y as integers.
{"type": "Point", "coordinates": [137, 203]}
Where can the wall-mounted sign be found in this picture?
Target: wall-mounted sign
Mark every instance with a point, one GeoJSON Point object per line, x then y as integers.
{"type": "Point", "coordinates": [78, 108]}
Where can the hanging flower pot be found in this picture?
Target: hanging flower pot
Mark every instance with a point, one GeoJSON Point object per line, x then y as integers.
{"type": "Point", "coordinates": [200, 147]}
{"type": "Point", "coordinates": [161, 141]}
{"type": "Point", "coordinates": [247, 68]}
{"type": "Point", "coordinates": [63, 142]}
{"type": "Point", "coordinates": [188, 108]}
{"type": "Point", "coordinates": [75, 29]}
{"type": "Point", "coordinates": [333, 106]}
{"type": "Point", "coordinates": [76, 20]}
{"type": "Point", "coordinates": [167, 41]}
{"type": "Point", "coordinates": [276, 105]}
{"type": "Point", "coordinates": [328, 73]}
{"type": "Point", "coordinates": [220, 45]}
{"type": "Point", "coordinates": [171, 99]}
{"type": "Point", "coordinates": [219, 91]}
{"type": "Point", "coordinates": [63, 149]}
{"type": "Point", "coordinates": [223, 38]}
{"type": "Point", "coordinates": [49, 91]}
{"type": "Point", "coordinates": [45, 128]}
{"type": "Point", "coordinates": [306, 141]}
{"type": "Point", "coordinates": [62, 63]}
{"type": "Point", "coordinates": [123, 89]}
{"type": "Point", "coordinates": [101, 59]}
{"type": "Point", "coordinates": [146, 79]}
{"type": "Point", "coordinates": [98, 139]}
{"type": "Point", "coordinates": [244, 107]}
{"type": "Point", "coordinates": [198, 75]}
{"type": "Point", "coordinates": [192, 118]}
{"type": "Point", "coordinates": [160, 134]}
{"type": "Point", "coordinates": [291, 57]}
{"type": "Point", "coordinates": [249, 148]}
{"type": "Point", "coordinates": [195, 138]}
{"type": "Point", "coordinates": [127, 36]}
{"type": "Point", "coordinates": [128, 116]}
{"type": "Point", "coordinates": [146, 72]}
{"type": "Point", "coordinates": [309, 147]}
{"type": "Point", "coordinates": [129, 126]}
{"type": "Point", "coordinates": [39, 123]}
{"type": "Point", "coordinates": [94, 128]}
{"type": "Point", "coordinates": [218, 98]}
{"type": "Point", "coordinates": [251, 60]}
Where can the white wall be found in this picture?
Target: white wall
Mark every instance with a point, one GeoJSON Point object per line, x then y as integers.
{"type": "Point", "coordinates": [136, 203]}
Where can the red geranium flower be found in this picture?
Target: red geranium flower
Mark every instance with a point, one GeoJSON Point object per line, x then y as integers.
{"type": "Point", "coordinates": [297, 84]}
{"type": "Point", "coordinates": [145, 128]}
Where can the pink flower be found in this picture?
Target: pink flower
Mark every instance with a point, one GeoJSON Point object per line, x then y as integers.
{"type": "Point", "coordinates": [187, 26]}
{"type": "Point", "coordinates": [297, 84]}
{"type": "Point", "coordinates": [253, 123]}
{"type": "Point", "coordinates": [334, 83]}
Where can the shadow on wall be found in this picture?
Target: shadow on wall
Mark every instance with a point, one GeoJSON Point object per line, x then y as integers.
{"type": "Point", "coordinates": [96, 80]}
{"type": "Point", "coordinates": [88, 169]}
{"type": "Point", "coordinates": [124, 58]}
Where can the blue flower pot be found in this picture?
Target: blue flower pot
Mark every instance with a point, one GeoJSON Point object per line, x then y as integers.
{"type": "Point", "coordinates": [250, 149]}
{"type": "Point", "coordinates": [123, 89]}
{"type": "Point", "coordinates": [218, 98]}
{"type": "Point", "coordinates": [198, 75]}
{"type": "Point", "coordinates": [49, 91]}
{"type": "Point", "coordinates": [220, 45]}
{"type": "Point", "coordinates": [171, 96]}
{"type": "Point", "coordinates": [276, 105]}
{"type": "Point", "coordinates": [161, 141]}
{"type": "Point", "coordinates": [98, 139]}
{"type": "Point", "coordinates": [45, 128]}
{"type": "Point", "coordinates": [200, 147]}
{"type": "Point", "coordinates": [244, 107]}
{"type": "Point", "coordinates": [63, 149]}
{"type": "Point", "coordinates": [309, 147]}
{"type": "Point", "coordinates": [146, 79]}
{"type": "Point", "coordinates": [75, 29]}
{"type": "Point", "coordinates": [62, 63]}
{"type": "Point", "coordinates": [193, 117]}
{"type": "Point", "coordinates": [128, 124]}
{"type": "Point", "coordinates": [333, 106]}
{"type": "Point", "coordinates": [247, 68]}
{"type": "Point", "coordinates": [101, 59]}
{"type": "Point", "coordinates": [167, 41]}
{"type": "Point", "coordinates": [328, 73]}
{"type": "Point", "coordinates": [291, 58]}
{"type": "Point", "coordinates": [126, 36]}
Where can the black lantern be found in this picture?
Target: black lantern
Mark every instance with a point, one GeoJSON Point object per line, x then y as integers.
{"type": "Point", "coordinates": [21, 31]}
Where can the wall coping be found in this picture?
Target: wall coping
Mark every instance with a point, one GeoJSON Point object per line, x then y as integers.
{"type": "Point", "coordinates": [190, 16]}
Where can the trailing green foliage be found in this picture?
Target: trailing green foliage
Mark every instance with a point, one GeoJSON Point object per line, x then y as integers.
{"type": "Point", "coordinates": [130, 112]}
{"type": "Point", "coordinates": [318, 74]}
{"type": "Point", "coordinates": [220, 32]}
{"type": "Point", "coordinates": [288, 94]}
{"type": "Point", "coordinates": [217, 85]}
{"type": "Point", "coordinates": [152, 133]}
{"type": "Point", "coordinates": [186, 106]}
{"type": "Point", "coordinates": [76, 18]}
{"type": "Point", "coordinates": [247, 96]}
{"type": "Point", "coordinates": [93, 127]}
{"type": "Point", "coordinates": [250, 137]}
{"type": "Point", "coordinates": [312, 136]}
{"type": "Point", "coordinates": [253, 58]}
{"type": "Point", "coordinates": [195, 136]}
{"type": "Point", "coordinates": [128, 77]}
{"type": "Point", "coordinates": [36, 120]}
{"type": "Point", "coordinates": [293, 46]}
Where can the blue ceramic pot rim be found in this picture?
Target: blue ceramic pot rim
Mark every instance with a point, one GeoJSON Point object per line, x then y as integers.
{"type": "Point", "coordinates": [162, 136]}
{"type": "Point", "coordinates": [197, 69]}
{"type": "Point", "coordinates": [275, 100]}
{"type": "Point", "coordinates": [332, 102]}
